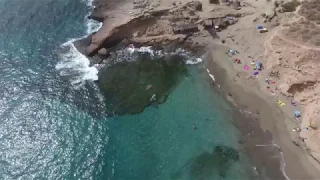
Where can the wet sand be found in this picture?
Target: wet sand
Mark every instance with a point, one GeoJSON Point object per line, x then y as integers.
{"type": "Point", "coordinates": [265, 128]}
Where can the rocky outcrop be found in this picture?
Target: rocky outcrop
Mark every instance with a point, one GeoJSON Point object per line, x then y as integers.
{"type": "Point", "coordinates": [161, 25]}
{"type": "Point", "coordinates": [114, 31]}
{"type": "Point", "coordinates": [103, 52]}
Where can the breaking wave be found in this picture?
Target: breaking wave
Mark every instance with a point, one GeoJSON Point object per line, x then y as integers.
{"type": "Point", "coordinates": [74, 64]}
{"type": "Point", "coordinates": [92, 25]}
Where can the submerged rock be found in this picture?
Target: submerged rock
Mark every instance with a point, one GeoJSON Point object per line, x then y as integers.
{"type": "Point", "coordinates": [218, 161]}
{"type": "Point", "coordinates": [130, 87]}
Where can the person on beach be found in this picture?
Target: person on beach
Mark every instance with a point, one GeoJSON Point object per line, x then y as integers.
{"type": "Point", "coordinates": [293, 102]}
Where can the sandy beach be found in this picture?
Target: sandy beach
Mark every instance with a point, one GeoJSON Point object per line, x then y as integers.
{"type": "Point", "coordinates": [251, 95]}
{"type": "Point", "coordinates": [278, 34]}
{"type": "Point", "coordinates": [266, 128]}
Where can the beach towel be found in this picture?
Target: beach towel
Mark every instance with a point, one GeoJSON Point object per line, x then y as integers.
{"type": "Point", "coordinates": [246, 68]}
{"type": "Point", "coordinates": [281, 103]}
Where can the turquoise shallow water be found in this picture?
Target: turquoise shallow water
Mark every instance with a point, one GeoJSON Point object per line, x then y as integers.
{"type": "Point", "coordinates": [46, 131]}
{"type": "Point", "coordinates": [161, 143]}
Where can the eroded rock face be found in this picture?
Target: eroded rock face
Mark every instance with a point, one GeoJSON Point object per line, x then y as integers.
{"type": "Point", "coordinates": [130, 87]}
{"type": "Point", "coordinates": [144, 22]}
{"type": "Point", "coordinates": [113, 31]}
{"type": "Point", "coordinates": [155, 23]}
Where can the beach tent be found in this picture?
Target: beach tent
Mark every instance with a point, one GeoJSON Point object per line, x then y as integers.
{"type": "Point", "coordinates": [297, 113]}
{"type": "Point", "coordinates": [259, 65]}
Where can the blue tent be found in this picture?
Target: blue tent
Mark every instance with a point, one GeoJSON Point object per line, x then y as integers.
{"type": "Point", "coordinates": [297, 113]}
{"type": "Point", "coordinates": [259, 65]}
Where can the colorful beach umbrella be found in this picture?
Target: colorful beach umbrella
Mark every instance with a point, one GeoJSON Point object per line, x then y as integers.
{"type": "Point", "coordinates": [297, 113]}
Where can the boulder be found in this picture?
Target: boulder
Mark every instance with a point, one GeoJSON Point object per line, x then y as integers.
{"type": "Point", "coordinates": [269, 14]}
{"type": "Point", "coordinates": [290, 6]}
{"type": "Point", "coordinates": [236, 5]}
{"type": "Point", "coordinates": [207, 23]}
{"type": "Point", "coordinates": [196, 5]}
{"type": "Point", "coordinates": [103, 52]}
{"type": "Point", "coordinates": [97, 15]}
{"type": "Point", "coordinates": [90, 50]}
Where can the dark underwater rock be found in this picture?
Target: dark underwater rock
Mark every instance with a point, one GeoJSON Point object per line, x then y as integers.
{"type": "Point", "coordinates": [218, 161]}
{"type": "Point", "coordinates": [130, 87]}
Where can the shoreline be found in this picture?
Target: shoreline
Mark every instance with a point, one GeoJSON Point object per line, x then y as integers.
{"type": "Point", "coordinates": [248, 95]}
{"type": "Point", "coordinates": [261, 122]}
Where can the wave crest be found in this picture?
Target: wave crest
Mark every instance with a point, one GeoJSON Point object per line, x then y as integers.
{"type": "Point", "coordinates": [75, 65]}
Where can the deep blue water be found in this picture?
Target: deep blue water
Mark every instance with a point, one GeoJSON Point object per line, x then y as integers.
{"type": "Point", "coordinates": [47, 132]}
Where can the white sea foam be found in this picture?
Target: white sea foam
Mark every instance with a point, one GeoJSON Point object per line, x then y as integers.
{"type": "Point", "coordinates": [146, 49]}
{"type": "Point", "coordinates": [282, 162]}
{"type": "Point", "coordinates": [143, 49]}
{"type": "Point", "coordinates": [188, 57]}
{"type": "Point", "coordinates": [92, 25]}
{"type": "Point", "coordinates": [194, 61]}
{"type": "Point", "coordinates": [75, 64]}
{"type": "Point", "coordinates": [211, 76]}
{"type": "Point", "coordinates": [89, 3]}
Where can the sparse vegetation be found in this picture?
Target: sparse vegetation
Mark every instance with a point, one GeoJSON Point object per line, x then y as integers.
{"type": "Point", "coordinates": [306, 37]}
{"type": "Point", "coordinates": [305, 31]}
{"type": "Point", "coordinates": [314, 33]}
{"type": "Point", "coordinates": [311, 11]}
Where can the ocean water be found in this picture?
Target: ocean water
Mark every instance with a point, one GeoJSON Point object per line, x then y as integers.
{"type": "Point", "coordinates": [51, 125]}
